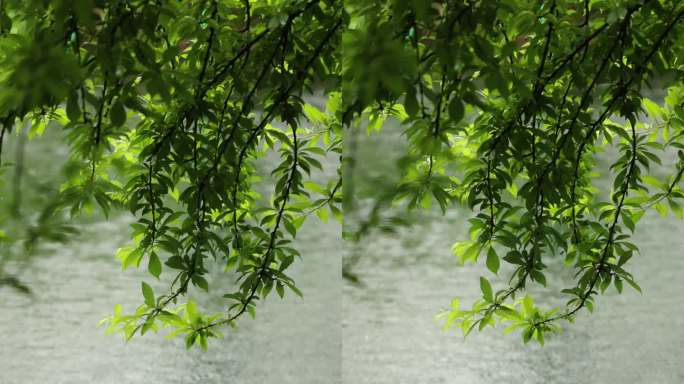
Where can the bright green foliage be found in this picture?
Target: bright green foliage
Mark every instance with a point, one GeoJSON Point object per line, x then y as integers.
{"type": "Point", "coordinates": [505, 105]}
{"type": "Point", "coordinates": [168, 105]}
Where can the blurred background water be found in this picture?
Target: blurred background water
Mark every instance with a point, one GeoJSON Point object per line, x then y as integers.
{"type": "Point", "coordinates": [389, 330]}
{"type": "Point", "coordinates": [51, 335]}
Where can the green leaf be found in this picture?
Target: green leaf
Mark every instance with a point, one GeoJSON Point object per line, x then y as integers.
{"type": "Point", "coordinates": [294, 289]}
{"type": "Point", "coordinates": [203, 342]}
{"type": "Point", "coordinates": [154, 265]}
{"type": "Point", "coordinates": [676, 208]}
{"type": "Point", "coordinates": [411, 105]}
{"type": "Point", "coordinates": [456, 110]}
{"type": "Point", "coordinates": [527, 334]}
{"type": "Point", "coordinates": [190, 340]}
{"type": "Point", "coordinates": [314, 114]}
{"type": "Point", "coordinates": [37, 128]}
{"type": "Point", "coordinates": [290, 228]}
{"type": "Point", "coordinates": [148, 294]}
{"type": "Point", "coordinates": [661, 209]}
{"type": "Point", "coordinates": [175, 262]}
{"type": "Point", "coordinates": [618, 284]}
{"type": "Point", "coordinates": [117, 114]}
{"type": "Point", "coordinates": [280, 289]}
{"type": "Point", "coordinates": [633, 284]}
{"type": "Point", "coordinates": [492, 260]}
{"type": "Point", "coordinates": [486, 289]}
{"type": "Point", "coordinates": [191, 310]}
{"type": "Point", "coordinates": [538, 277]}
{"type": "Point", "coordinates": [322, 214]}
{"type": "Point", "coordinates": [528, 305]}
{"type": "Point", "coordinates": [653, 109]}
{"type": "Point", "coordinates": [627, 219]}
{"type": "Point", "coordinates": [466, 251]}
{"type": "Point", "coordinates": [73, 109]}
{"type": "Point", "coordinates": [147, 325]}
{"type": "Point", "coordinates": [200, 282]}
{"type": "Point", "coordinates": [129, 256]}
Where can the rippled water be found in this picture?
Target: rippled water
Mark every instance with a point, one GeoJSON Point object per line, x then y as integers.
{"type": "Point", "coordinates": [390, 334]}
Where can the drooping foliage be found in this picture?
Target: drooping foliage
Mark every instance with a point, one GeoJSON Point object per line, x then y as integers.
{"type": "Point", "coordinates": [168, 105]}
{"type": "Point", "coordinates": [506, 105]}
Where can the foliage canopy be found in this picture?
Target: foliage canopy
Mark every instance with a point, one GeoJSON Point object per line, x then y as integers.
{"type": "Point", "coordinates": [506, 106]}
{"type": "Point", "coordinates": [168, 105]}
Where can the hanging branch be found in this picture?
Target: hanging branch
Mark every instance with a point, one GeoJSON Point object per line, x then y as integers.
{"type": "Point", "coordinates": [609, 108]}
{"type": "Point", "coordinates": [98, 128]}
{"type": "Point", "coordinates": [541, 85]}
{"type": "Point", "coordinates": [670, 189]}
{"type": "Point", "coordinates": [242, 52]}
{"type": "Point", "coordinates": [598, 267]}
{"type": "Point", "coordinates": [269, 115]}
{"type": "Point", "coordinates": [262, 270]}
{"type": "Point", "coordinates": [160, 307]}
